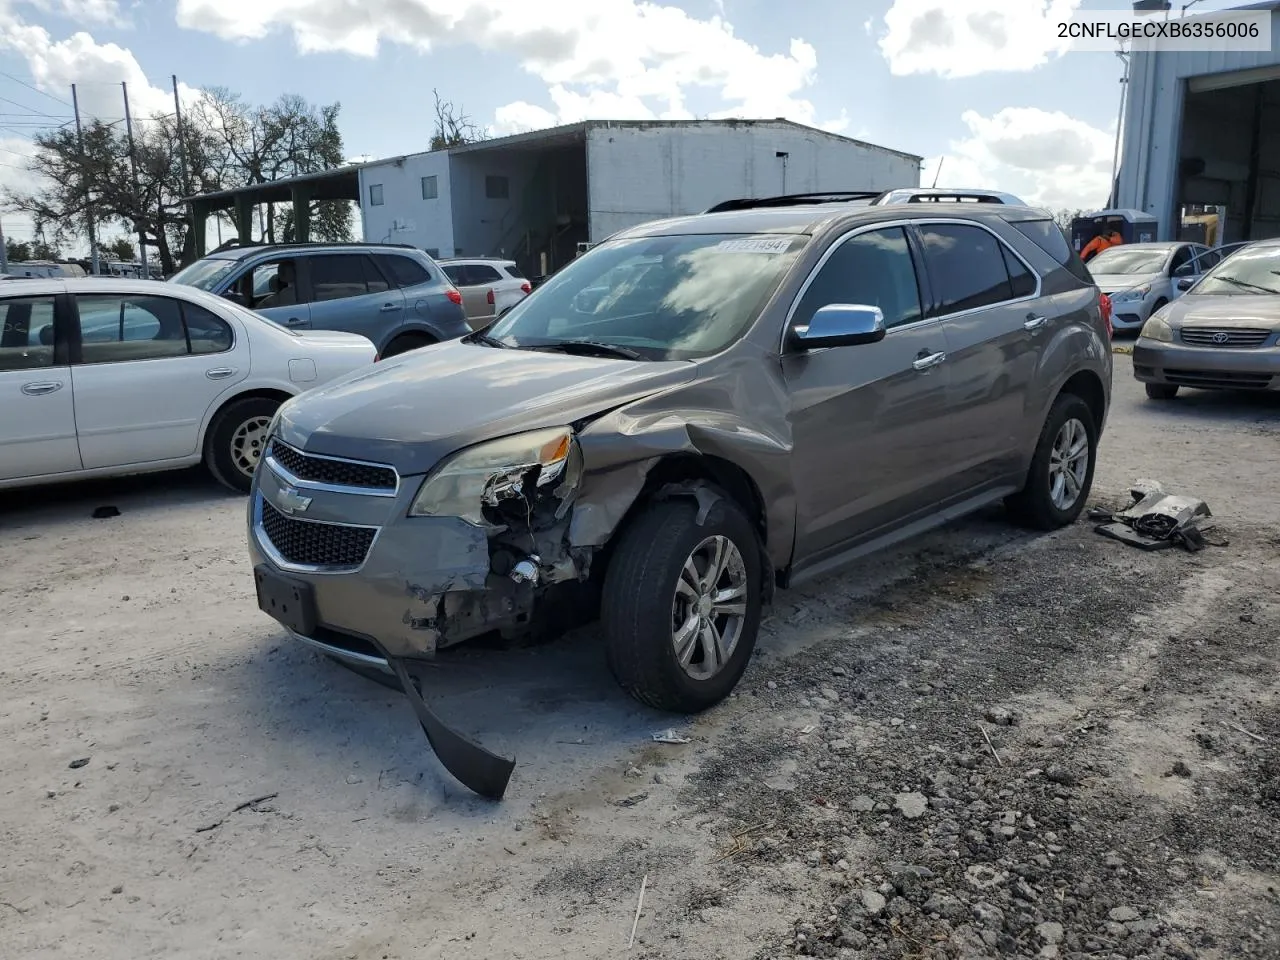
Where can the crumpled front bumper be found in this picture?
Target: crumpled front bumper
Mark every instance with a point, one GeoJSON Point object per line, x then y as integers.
{"type": "Point", "coordinates": [422, 583]}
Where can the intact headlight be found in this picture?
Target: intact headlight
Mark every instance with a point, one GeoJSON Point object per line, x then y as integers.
{"type": "Point", "coordinates": [1132, 295]}
{"type": "Point", "coordinates": [488, 473]}
{"type": "Point", "coordinates": [1156, 329]}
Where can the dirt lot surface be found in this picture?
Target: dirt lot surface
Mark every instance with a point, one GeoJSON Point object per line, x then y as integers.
{"type": "Point", "coordinates": [986, 744]}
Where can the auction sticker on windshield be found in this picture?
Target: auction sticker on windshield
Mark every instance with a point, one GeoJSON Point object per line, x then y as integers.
{"type": "Point", "coordinates": [756, 245]}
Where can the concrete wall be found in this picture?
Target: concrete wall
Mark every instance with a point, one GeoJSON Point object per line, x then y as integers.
{"type": "Point", "coordinates": [484, 226]}
{"type": "Point", "coordinates": [404, 216]}
{"type": "Point", "coordinates": [1153, 126]}
{"type": "Point", "coordinates": [638, 173]}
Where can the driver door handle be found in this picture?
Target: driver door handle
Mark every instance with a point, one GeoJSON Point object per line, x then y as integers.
{"type": "Point", "coordinates": [219, 373]}
{"type": "Point", "coordinates": [294, 321]}
{"type": "Point", "coordinates": [927, 363]}
{"type": "Point", "coordinates": [1034, 322]}
{"type": "Point", "coordinates": [388, 307]}
{"type": "Point", "coordinates": [42, 387]}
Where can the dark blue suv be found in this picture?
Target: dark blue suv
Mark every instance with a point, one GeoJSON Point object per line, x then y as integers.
{"type": "Point", "coordinates": [391, 293]}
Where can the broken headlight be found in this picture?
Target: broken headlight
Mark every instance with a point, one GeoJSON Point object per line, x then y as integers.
{"type": "Point", "coordinates": [489, 473]}
{"type": "Point", "coordinates": [1156, 329]}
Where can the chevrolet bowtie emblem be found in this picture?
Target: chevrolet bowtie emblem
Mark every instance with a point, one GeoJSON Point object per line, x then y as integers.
{"type": "Point", "coordinates": [290, 500]}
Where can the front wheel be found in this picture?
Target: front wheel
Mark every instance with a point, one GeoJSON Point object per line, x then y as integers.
{"type": "Point", "coordinates": [681, 604]}
{"type": "Point", "coordinates": [406, 342]}
{"type": "Point", "coordinates": [1061, 472]}
{"type": "Point", "coordinates": [235, 441]}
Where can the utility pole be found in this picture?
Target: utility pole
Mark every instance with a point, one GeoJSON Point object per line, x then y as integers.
{"type": "Point", "coordinates": [137, 193]}
{"type": "Point", "coordinates": [4, 252]}
{"type": "Point", "coordinates": [1114, 197]}
{"type": "Point", "coordinates": [88, 196]}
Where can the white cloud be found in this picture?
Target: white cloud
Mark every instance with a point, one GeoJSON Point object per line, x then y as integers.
{"type": "Point", "coordinates": [618, 59]}
{"type": "Point", "coordinates": [1047, 158]}
{"type": "Point", "coordinates": [839, 125]}
{"type": "Point", "coordinates": [95, 11]}
{"type": "Point", "coordinates": [963, 38]}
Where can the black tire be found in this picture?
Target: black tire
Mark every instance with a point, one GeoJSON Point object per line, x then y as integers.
{"type": "Point", "coordinates": [406, 342]}
{"type": "Point", "coordinates": [1157, 307]}
{"type": "Point", "coordinates": [1033, 506]}
{"type": "Point", "coordinates": [1162, 391]}
{"type": "Point", "coordinates": [638, 603]}
{"type": "Point", "coordinates": [219, 456]}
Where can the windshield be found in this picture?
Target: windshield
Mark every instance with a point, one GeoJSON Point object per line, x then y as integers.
{"type": "Point", "coordinates": [658, 298]}
{"type": "Point", "coordinates": [1247, 271]}
{"type": "Point", "coordinates": [1118, 261]}
{"type": "Point", "coordinates": [205, 274]}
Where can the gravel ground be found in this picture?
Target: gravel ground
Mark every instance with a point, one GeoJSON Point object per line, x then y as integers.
{"type": "Point", "coordinates": [984, 744]}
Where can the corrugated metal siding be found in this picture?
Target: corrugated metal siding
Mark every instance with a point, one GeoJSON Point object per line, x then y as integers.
{"type": "Point", "coordinates": [1153, 124]}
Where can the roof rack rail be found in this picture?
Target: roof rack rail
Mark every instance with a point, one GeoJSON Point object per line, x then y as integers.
{"type": "Point", "coordinates": [794, 200]}
{"type": "Point", "coordinates": [236, 242]}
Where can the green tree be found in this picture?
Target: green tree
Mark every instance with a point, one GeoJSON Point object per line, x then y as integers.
{"type": "Point", "coordinates": [17, 250]}
{"type": "Point", "coordinates": [121, 248]}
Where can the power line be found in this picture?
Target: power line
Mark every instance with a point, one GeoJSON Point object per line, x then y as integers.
{"type": "Point", "coordinates": [31, 111]}
{"type": "Point", "coordinates": [36, 89]}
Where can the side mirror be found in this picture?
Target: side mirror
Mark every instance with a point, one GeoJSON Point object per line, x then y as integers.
{"type": "Point", "coordinates": [235, 296]}
{"type": "Point", "coordinates": [1186, 270]}
{"type": "Point", "coordinates": [840, 325]}
{"type": "Point", "coordinates": [1186, 283]}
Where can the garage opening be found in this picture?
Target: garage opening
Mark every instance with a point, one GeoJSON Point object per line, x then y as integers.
{"type": "Point", "coordinates": [1229, 160]}
{"type": "Point", "coordinates": [524, 200]}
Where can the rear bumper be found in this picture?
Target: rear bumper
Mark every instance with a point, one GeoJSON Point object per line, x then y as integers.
{"type": "Point", "coordinates": [1213, 368]}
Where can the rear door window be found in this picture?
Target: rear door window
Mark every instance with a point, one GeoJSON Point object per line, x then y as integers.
{"type": "Point", "coordinates": [26, 333]}
{"type": "Point", "coordinates": [456, 272]}
{"type": "Point", "coordinates": [966, 266]}
{"type": "Point", "coordinates": [1048, 236]}
{"type": "Point", "coordinates": [480, 273]}
{"type": "Point", "coordinates": [337, 276]}
{"type": "Point", "coordinates": [404, 271]}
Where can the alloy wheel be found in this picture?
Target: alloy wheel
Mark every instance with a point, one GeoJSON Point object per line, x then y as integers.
{"type": "Point", "coordinates": [709, 608]}
{"type": "Point", "coordinates": [1068, 464]}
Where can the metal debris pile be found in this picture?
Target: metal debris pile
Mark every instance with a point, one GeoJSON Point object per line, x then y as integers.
{"type": "Point", "coordinates": [1156, 520]}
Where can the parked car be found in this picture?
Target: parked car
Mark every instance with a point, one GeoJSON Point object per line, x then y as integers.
{"type": "Point", "coordinates": [104, 376]}
{"type": "Point", "coordinates": [944, 195]}
{"type": "Point", "coordinates": [489, 286]}
{"type": "Point", "coordinates": [395, 295]}
{"type": "Point", "coordinates": [772, 393]}
{"type": "Point", "coordinates": [1223, 333]}
{"type": "Point", "coordinates": [1140, 278]}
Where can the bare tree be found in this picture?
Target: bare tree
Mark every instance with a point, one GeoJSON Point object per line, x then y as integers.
{"type": "Point", "coordinates": [453, 126]}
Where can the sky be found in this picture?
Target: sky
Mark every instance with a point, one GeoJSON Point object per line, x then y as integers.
{"type": "Point", "coordinates": [982, 86]}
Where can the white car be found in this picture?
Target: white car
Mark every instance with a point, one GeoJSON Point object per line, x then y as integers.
{"type": "Point", "coordinates": [1140, 278]}
{"type": "Point", "coordinates": [489, 286]}
{"type": "Point", "coordinates": [103, 376]}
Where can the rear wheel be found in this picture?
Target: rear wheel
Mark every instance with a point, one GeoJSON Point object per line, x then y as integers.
{"type": "Point", "coordinates": [1162, 391]}
{"type": "Point", "coordinates": [681, 605]}
{"type": "Point", "coordinates": [235, 441]}
{"type": "Point", "coordinates": [1061, 472]}
{"type": "Point", "coordinates": [406, 342]}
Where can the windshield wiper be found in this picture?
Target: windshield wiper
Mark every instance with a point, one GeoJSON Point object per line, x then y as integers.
{"type": "Point", "coordinates": [1246, 285]}
{"type": "Point", "coordinates": [481, 337]}
{"type": "Point", "coordinates": [585, 348]}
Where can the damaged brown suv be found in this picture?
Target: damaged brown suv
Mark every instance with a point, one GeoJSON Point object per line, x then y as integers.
{"type": "Point", "coordinates": [693, 412]}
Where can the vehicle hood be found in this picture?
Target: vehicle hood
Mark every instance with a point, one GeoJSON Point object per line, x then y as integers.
{"type": "Point", "coordinates": [1110, 283]}
{"type": "Point", "coordinates": [1245, 310]}
{"type": "Point", "coordinates": [415, 409]}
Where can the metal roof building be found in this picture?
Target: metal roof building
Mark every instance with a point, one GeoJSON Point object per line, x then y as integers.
{"type": "Point", "coordinates": [1203, 129]}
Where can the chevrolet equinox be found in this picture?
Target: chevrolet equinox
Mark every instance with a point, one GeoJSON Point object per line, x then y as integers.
{"type": "Point", "coordinates": [694, 412]}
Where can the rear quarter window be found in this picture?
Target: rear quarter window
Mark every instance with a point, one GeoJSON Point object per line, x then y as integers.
{"type": "Point", "coordinates": [1048, 236]}
{"type": "Point", "coordinates": [403, 271]}
{"type": "Point", "coordinates": [514, 271]}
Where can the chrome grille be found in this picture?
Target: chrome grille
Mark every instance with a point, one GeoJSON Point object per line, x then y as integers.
{"type": "Point", "coordinates": [1224, 336]}
{"type": "Point", "coordinates": [311, 543]}
{"type": "Point", "coordinates": [335, 472]}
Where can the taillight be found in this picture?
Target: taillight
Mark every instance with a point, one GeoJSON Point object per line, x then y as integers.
{"type": "Point", "coordinates": [454, 296]}
{"type": "Point", "coordinates": [489, 298]}
{"type": "Point", "coordinates": [1105, 302]}
{"type": "Point", "coordinates": [526, 287]}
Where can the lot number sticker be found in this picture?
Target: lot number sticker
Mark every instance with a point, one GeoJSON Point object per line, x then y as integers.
{"type": "Point", "coordinates": [756, 245]}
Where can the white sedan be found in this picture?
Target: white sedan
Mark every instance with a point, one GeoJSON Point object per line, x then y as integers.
{"type": "Point", "coordinates": [102, 376]}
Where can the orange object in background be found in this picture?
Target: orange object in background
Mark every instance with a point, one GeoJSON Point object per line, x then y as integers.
{"type": "Point", "coordinates": [1099, 243]}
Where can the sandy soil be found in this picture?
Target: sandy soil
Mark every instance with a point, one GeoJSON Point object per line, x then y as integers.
{"type": "Point", "coordinates": [245, 798]}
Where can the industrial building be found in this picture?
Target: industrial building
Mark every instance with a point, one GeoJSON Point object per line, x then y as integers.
{"type": "Point", "coordinates": [535, 197]}
{"type": "Point", "coordinates": [1203, 130]}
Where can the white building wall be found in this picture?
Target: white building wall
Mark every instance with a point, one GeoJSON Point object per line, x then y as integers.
{"type": "Point", "coordinates": [640, 173]}
{"type": "Point", "coordinates": [404, 216]}
{"type": "Point", "coordinates": [486, 226]}
{"type": "Point", "coordinates": [1148, 178]}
